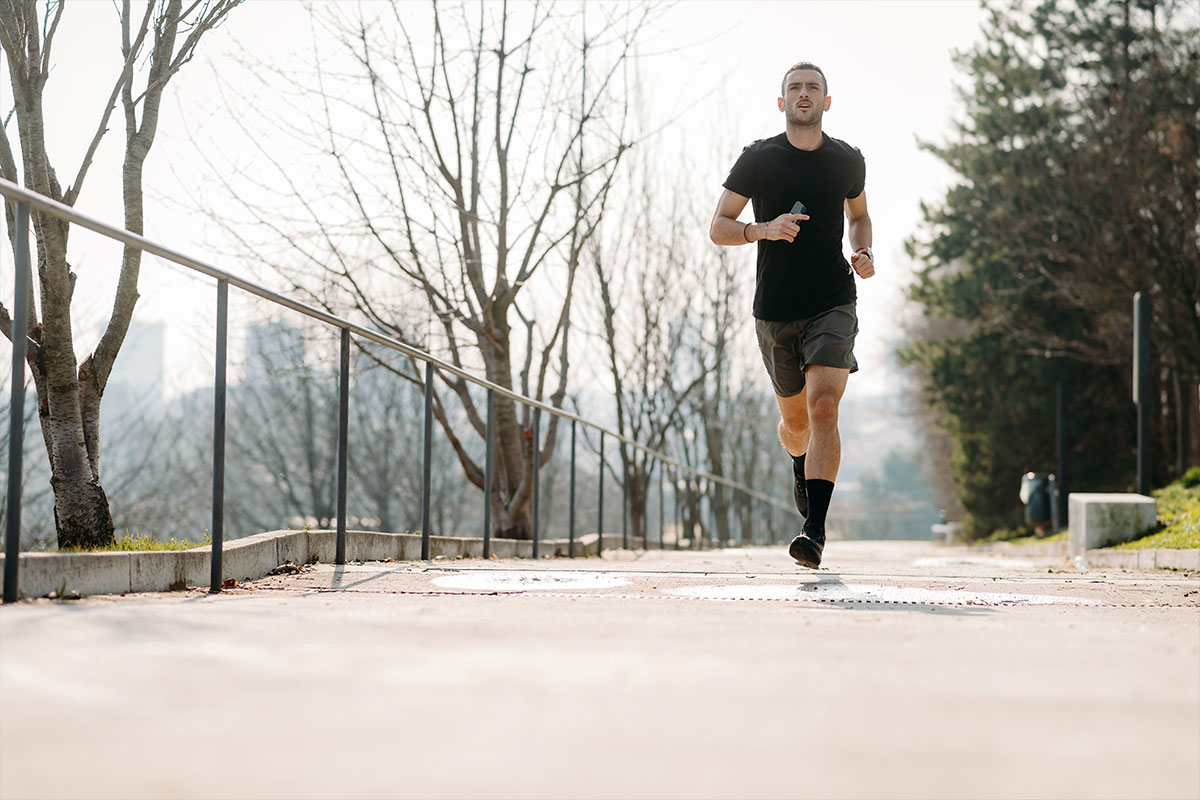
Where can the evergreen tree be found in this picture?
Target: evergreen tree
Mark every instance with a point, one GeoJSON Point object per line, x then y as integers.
{"type": "Point", "coordinates": [1077, 187]}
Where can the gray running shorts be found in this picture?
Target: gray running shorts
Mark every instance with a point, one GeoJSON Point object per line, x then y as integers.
{"type": "Point", "coordinates": [788, 347]}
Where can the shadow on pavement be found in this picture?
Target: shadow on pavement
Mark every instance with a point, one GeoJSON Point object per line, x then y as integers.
{"type": "Point", "coordinates": [832, 581]}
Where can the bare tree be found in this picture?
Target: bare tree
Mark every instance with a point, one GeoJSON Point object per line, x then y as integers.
{"type": "Point", "coordinates": [69, 390]}
{"type": "Point", "coordinates": [648, 284]}
{"type": "Point", "coordinates": [712, 350]}
{"type": "Point", "coordinates": [471, 163]}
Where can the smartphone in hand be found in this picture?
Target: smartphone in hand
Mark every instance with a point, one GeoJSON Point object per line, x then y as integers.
{"type": "Point", "coordinates": [799, 208]}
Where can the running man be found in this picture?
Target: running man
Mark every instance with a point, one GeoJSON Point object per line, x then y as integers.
{"type": "Point", "coordinates": [804, 296]}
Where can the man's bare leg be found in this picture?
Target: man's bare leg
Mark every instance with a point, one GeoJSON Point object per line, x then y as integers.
{"type": "Point", "coordinates": [824, 387]}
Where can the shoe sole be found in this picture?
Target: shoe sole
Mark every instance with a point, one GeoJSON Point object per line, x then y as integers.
{"type": "Point", "coordinates": [805, 554]}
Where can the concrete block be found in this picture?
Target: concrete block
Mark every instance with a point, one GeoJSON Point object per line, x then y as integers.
{"type": "Point", "coordinates": [1100, 520]}
{"type": "Point", "coordinates": [246, 559]}
{"type": "Point", "coordinates": [85, 573]}
{"type": "Point", "coordinates": [372, 546]}
{"type": "Point", "coordinates": [410, 546]}
{"type": "Point", "coordinates": [1113, 559]}
{"type": "Point", "coordinates": [612, 541]}
{"type": "Point", "coordinates": [322, 546]}
{"type": "Point", "coordinates": [505, 548]}
{"type": "Point", "coordinates": [1178, 559]}
{"type": "Point", "coordinates": [1145, 558]}
{"type": "Point", "coordinates": [472, 548]}
{"type": "Point", "coordinates": [447, 546]}
{"type": "Point", "coordinates": [168, 570]}
{"type": "Point", "coordinates": [291, 546]}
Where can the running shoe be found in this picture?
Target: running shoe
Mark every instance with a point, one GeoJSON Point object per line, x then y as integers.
{"type": "Point", "coordinates": [807, 547]}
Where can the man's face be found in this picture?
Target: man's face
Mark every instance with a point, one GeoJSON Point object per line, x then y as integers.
{"type": "Point", "coordinates": [804, 101]}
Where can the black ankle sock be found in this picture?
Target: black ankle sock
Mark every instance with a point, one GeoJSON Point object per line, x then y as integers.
{"type": "Point", "coordinates": [798, 465]}
{"type": "Point", "coordinates": [819, 492]}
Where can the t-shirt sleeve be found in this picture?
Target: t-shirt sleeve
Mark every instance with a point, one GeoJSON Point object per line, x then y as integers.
{"type": "Point", "coordinates": [858, 175]}
{"type": "Point", "coordinates": [743, 178]}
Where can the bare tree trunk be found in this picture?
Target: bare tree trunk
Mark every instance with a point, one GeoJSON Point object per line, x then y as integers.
{"type": "Point", "coordinates": [69, 396]}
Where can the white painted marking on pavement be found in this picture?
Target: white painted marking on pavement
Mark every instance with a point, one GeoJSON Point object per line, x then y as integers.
{"type": "Point", "coordinates": [528, 581]}
{"type": "Point", "coordinates": [835, 592]}
{"type": "Point", "coordinates": [974, 561]}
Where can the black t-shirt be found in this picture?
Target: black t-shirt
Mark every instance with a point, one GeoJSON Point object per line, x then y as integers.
{"type": "Point", "coordinates": [800, 279]}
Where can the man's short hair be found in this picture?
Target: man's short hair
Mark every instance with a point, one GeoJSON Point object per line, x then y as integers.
{"type": "Point", "coordinates": [802, 65]}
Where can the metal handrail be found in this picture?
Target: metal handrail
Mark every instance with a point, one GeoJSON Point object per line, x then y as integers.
{"type": "Point", "coordinates": [29, 199]}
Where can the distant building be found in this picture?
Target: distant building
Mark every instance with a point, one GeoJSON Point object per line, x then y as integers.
{"type": "Point", "coordinates": [274, 345]}
{"type": "Point", "coordinates": [136, 382]}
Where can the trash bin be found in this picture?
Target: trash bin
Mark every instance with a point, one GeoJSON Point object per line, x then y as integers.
{"type": "Point", "coordinates": [1035, 494]}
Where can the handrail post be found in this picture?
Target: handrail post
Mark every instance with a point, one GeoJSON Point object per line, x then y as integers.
{"type": "Point", "coordinates": [218, 484]}
{"type": "Point", "coordinates": [600, 507]}
{"type": "Point", "coordinates": [703, 496]}
{"type": "Point", "coordinates": [16, 409]}
{"type": "Point", "coordinates": [426, 461]}
{"type": "Point", "coordinates": [714, 520]}
{"type": "Point", "coordinates": [662, 507]}
{"type": "Point", "coordinates": [343, 444]}
{"type": "Point", "coordinates": [537, 416]}
{"type": "Point", "coordinates": [748, 521]}
{"type": "Point", "coordinates": [624, 502]}
{"type": "Point", "coordinates": [488, 457]}
{"type": "Point", "coordinates": [680, 511]}
{"type": "Point", "coordinates": [741, 518]}
{"type": "Point", "coordinates": [571, 502]}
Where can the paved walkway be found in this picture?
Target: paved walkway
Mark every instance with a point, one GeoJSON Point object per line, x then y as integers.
{"type": "Point", "coordinates": [901, 670]}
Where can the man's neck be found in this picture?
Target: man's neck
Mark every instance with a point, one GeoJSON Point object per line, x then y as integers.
{"type": "Point", "coordinates": [805, 137]}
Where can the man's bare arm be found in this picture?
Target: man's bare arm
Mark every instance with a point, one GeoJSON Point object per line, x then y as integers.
{"type": "Point", "coordinates": [860, 234]}
{"type": "Point", "coordinates": [726, 230]}
{"type": "Point", "coordinates": [860, 221]}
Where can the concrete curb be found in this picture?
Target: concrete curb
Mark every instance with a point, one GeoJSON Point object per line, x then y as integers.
{"type": "Point", "coordinates": [1160, 558]}
{"type": "Point", "coordinates": [254, 556]}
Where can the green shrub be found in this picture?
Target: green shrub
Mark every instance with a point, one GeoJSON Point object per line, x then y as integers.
{"type": "Point", "coordinates": [1191, 477]}
{"type": "Point", "coordinates": [1178, 518]}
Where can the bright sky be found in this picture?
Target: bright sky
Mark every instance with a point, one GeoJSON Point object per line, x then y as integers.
{"type": "Point", "coordinates": [888, 63]}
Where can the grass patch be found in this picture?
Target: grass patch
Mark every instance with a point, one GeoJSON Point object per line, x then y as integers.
{"type": "Point", "coordinates": [1178, 517]}
{"type": "Point", "coordinates": [142, 541]}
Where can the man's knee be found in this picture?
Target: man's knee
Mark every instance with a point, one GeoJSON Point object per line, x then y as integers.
{"type": "Point", "coordinates": [823, 409]}
{"type": "Point", "coordinates": [793, 414]}
{"type": "Point", "coordinates": [795, 425]}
